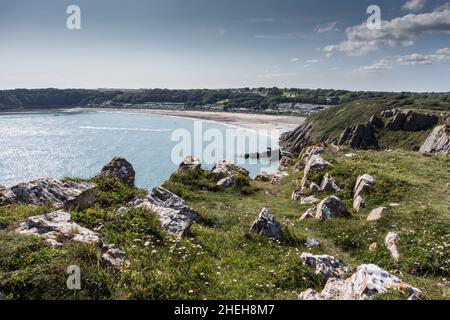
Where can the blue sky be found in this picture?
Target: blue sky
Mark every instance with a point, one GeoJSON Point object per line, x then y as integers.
{"type": "Point", "coordinates": [226, 43]}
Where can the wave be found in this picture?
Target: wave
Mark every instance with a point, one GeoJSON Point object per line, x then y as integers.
{"type": "Point", "coordinates": [124, 129]}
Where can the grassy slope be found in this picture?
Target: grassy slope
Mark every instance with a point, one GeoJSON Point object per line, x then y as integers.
{"type": "Point", "coordinates": [333, 121]}
{"type": "Point", "coordinates": [219, 259]}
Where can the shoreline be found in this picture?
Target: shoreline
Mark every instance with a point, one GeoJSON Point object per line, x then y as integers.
{"type": "Point", "coordinates": [253, 121]}
{"type": "Point", "coordinates": [243, 120]}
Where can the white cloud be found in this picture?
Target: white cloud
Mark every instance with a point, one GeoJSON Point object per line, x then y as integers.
{"type": "Point", "coordinates": [295, 59]}
{"type": "Point", "coordinates": [441, 55]}
{"type": "Point", "coordinates": [414, 5]}
{"type": "Point", "coordinates": [328, 27]}
{"type": "Point", "coordinates": [399, 32]}
{"type": "Point", "coordinates": [377, 67]}
{"type": "Point", "coordinates": [308, 63]}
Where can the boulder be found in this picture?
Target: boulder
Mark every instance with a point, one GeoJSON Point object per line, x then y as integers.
{"type": "Point", "coordinates": [328, 184]}
{"type": "Point", "coordinates": [266, 225]}
{"type": "Point", "coordinates": [296, 195]}
{"type": "Point", "coordinates": [174, 214]}
{"type": "Point", "coordinates": [309, 214]}
{"type": "Point", "coordinates": [391, 241]}
{"type": "Point", "coordinates": [312, 243]}
{"type": "Point", "coordinates": [263, 177]}
{"type": "Point", "coordinates": [360, 136]}
{"type": "Point", "coordinates": [367, 282]}
{"type": "Point", "coordinates": [309, 152]}
{"type": "Point", "coordinates": [377, 214]}
{"type": "Point", "coordinates": [189, 163]}
{"type": "Point", "coordinates": [314, 187]}
{"type": "Point", "coordinates": [114, 258]}
{"type": "Point", "coordinates": [358, 203]}
{"type": "Point", "coordinates": [286, 161]}
{"type": "Point", "coordinates": [331, 207]}
{"type": "Point", "coordinates": [326, 266]}
{"type": "Point", "coordinates": [226, 182]}
{"type": "Point", "coordinates": [364, 184]}
{"type": "Point", "coordinates": [120, 169]}
{"type": "Point", "coordinates": [279, 177]}
{"type": "Point", "coordinates": [309, 200]}
{"type": "Point", "coordinates": [224, 168]}
{"type": "Point", "coordinates": [438, 142]}
{"type": "Point", "coordinates": [314, 164]}
{"type": "Point", "coordinates": [411, 121]}
{"type": "Point", "coordinates": [58, 227]}
{"type": "Point", "coordinates": [52, 192]}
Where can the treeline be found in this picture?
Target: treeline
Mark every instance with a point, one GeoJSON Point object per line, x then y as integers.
{"type": "Point", "coordinates": [228, 99]}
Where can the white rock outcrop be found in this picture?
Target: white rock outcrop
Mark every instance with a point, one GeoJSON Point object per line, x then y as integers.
{"type": "Point", "coordinates": [174, 214]}
{"type": "Point", "coordinates": [367, 282]}
{"type": "Point", "coordinates": [58, 227]}
{"type": "Point", "coordinates": [56, 193]}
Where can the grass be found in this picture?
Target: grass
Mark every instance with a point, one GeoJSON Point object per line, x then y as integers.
{"type": "Point", "coordinates": [219, 259]}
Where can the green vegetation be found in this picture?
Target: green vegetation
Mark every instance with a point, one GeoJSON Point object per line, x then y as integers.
{"type": "Point", "coordinates": [219, 259]}
{"type": "Point", "coordinates": [330, 123]}
{"type": "Point", "coordinates": [254, 99]}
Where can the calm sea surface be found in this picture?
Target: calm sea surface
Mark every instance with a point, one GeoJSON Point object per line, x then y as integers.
{"type": "Point", "coordinates": [78, 145]}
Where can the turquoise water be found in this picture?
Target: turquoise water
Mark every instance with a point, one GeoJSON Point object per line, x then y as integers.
{"type": "Point", "coordinates": [79, 144]}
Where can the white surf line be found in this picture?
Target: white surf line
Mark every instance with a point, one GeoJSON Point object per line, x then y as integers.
{"type": "Point", "coordinates": [123, 129]}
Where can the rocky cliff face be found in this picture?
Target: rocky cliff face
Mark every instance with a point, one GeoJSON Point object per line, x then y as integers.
{"type": "Point", "coordinates": [360, 136]}
{"type": "Point", "coordinates": [411, 121]}
{"type": "Point", "coordinates": [438, 141]}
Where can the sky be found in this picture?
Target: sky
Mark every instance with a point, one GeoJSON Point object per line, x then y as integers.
{"type": "Point", "coordinates": [226, 44]}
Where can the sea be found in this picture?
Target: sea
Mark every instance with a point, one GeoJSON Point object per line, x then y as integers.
{"type": "Point", "coordinates": [79, 144]}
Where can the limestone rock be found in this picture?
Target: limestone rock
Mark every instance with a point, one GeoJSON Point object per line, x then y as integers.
{"type": "Point", "coordinates": [367, 282]}
{"type": "Point", "coordinates": [286, 161]}
{"type": "Point", "coordinates": [58, 227]}
{"type": "Point", "coordinates": [279, 177]}
{"type": "Point", "coordinates": [326, 266]}
{"type": "Point", "coordinates": [53, 192]}
{"type": "Point", "coordinates": [391, 241]}
{"type": "Point", "coordinates": [438, 142]}
{"type": "Point", "coordinates": [312, 243]}
{"type": "Point", "coordinates": [226, 182]}
{"type": "Point", "coordinates": [119, 168]}
{"type": "Point", "coordinates": [263, 177]}
{"type": "Point", "coordinates": [331, 207]}
{"type": "Point", "coordinates": [309, 200]}
{"type": "Point", "coordinates": [309, 152]}
{"type": "Point", "coordinates": [359, 136]}
{"type": "Point", "coordinates": [314, 164]}
{"type": "Point", "coordinates": [296, 195]}
{"type": "Point", "coordinates": [114, 258]}
{"type": "Point", "coordinates": [328, 184]}
{"type": "Point", "coordinates": [189, 163]}
{"type": "Point", "coordinates": [174, 214]}
{"type": "Point", "coordinates": [377, 214]}
{"type": "Point", "coordinates": [224, 168]}
{"type": "Point", "coordinates": [309, 214]}
{"type": "Point", "coordinates": [411, 121]}
{"type": "Point", "coordinates": [314, 187]}
{"type": "Point", "coordinates": [267, 225]}
{"type": "Point", "coordinates": [364, 184]}
{"type": "Point", "coordinates": [358, 203]}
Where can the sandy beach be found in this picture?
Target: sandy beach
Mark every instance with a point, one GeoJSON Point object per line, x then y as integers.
{"type": "Point", "coordinates": [246, 120]}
